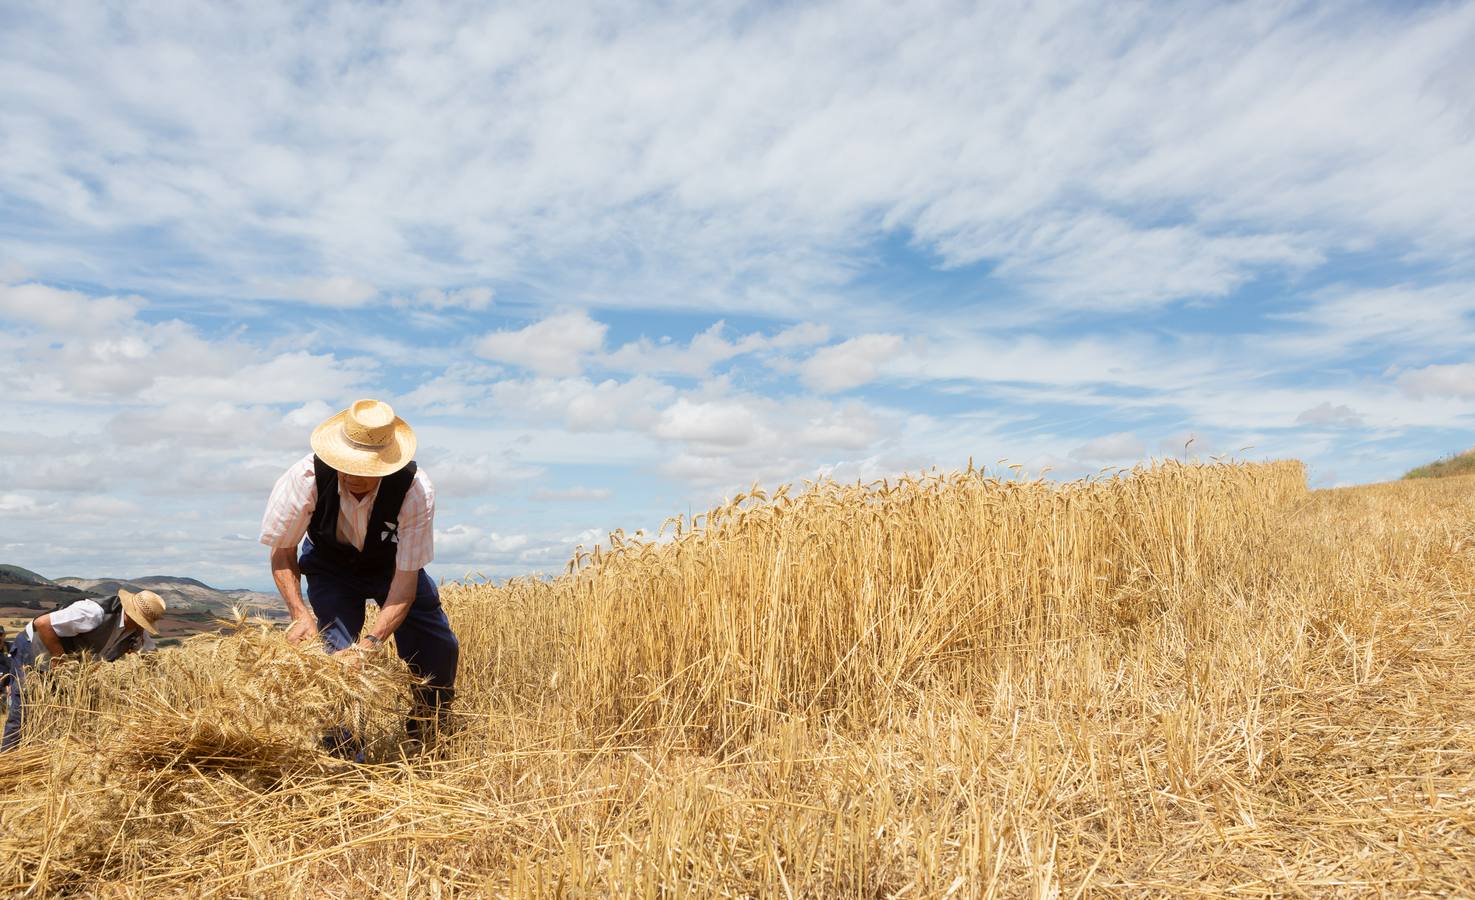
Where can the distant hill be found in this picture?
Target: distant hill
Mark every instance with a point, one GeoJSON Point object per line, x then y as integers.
{"type": "Point", "coordinates": [171, 581]}
{"type": "Point", "coordinates": [37, 598]}
{"type": "Point", "coordinates": [25, 595]}
{"type": "Point", "coordinates": [182, 594]}
{"type": "Point", "coordinates": [1458, 464]}
{"type": "Point", "coordinates": [17, 575]}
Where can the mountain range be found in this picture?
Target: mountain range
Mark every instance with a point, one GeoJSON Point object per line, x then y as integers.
{"type": "Point", "coordinates": [182, 595]}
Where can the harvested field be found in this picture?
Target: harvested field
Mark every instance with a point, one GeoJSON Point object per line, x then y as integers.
{"type": "Point", "coordinates": [1187, 680]}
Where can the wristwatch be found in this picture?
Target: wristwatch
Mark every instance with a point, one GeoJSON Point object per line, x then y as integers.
{"type": "Point", "coordinates": [371, 639]}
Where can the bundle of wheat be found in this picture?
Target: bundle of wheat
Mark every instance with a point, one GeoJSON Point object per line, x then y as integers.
{"type": "Point", "coordinates": [154, 743]}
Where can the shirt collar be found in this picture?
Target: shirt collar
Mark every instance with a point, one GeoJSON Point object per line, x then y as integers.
{"type": "Point", "coordinates": [346, 497]}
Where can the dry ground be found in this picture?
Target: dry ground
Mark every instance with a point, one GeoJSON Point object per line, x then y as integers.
{"type": "Point", "coordinates": [1195, 681]}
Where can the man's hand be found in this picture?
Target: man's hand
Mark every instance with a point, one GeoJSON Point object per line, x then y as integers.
{"type": "Point", "coordinates": [354, 656]}
{"type": "Point", "coordinates": [302, 628]}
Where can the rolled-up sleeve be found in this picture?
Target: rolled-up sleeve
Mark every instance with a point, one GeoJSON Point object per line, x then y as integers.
{"type": "Point", "coordinates": [290, 508]}
{"type": "Point", "coordinates": [77, 618]}
{"type": "Point", "coordinates": [416, 526]}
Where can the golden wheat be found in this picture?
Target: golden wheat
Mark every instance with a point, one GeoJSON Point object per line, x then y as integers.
{"type": "Point", "coordinates": [1187, 679]}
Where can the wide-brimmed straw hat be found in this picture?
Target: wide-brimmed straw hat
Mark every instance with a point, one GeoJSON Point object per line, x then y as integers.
{"type": "Point", "coordinates": [144, 607]}
{"type": "Point", "coordinates": [365, 439]}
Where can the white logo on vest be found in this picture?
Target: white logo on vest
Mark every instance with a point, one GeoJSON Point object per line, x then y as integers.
{"type": "Point", "coordinates": [391, 532]}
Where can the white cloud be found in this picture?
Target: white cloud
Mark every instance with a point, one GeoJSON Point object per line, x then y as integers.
{"type": "Point", "coordinates": [708, 349]}
{"type": "Point", "coordinates": [460, 389]}
{"type": "Point", "coordinates": [584, 405]}
{"type": "Point", "coordinates": [556, 345]}
{"type": "Point", "coordinates": [97, 349]}
{"type": "Point", "coordinates": [805, 334]}
{"type": "Point", "coordinates": [1100, 156]}
{"type": "Point", "coordinates": [1249, 407]}
{"type": "Point", "coordinates": [472, 550]}
{"type": "Point", "coordinates": [473, 475]}
{"type": "Point", "coordinates": [1079, 365]}
{"type": "Point", "coordinates": [719, 438]}
{"type": "Point", "coordinates": [850, 364]}
{"type": "Point", "coordinates": [17, 504]}
{"type": "Point", "coordinates": [474, 299]}
{"type": "Point", "coordinates": [102, 507]}
{"type": "Point", "coordinates": [588, 537]}
{"type": "Point", "coordinates": [64, 311]}
{"type": "Point", "coordinates": [1457, 380]}
{"type": "Point", "coordinates": [297, 377]}
{"type": "Point", "coordinates": [1122, 446]}
{"type": "Point", "coordinates": [718, 422]}
{"type": "Point", "coordinates": [471, 545]}
{"type": "Point", "coordinates": [336, 291]}
{"type": "Point", "coordinates": [309, 415]}
{"type": "Point", "coordinates": [202, 425]}
{"type": "Point", "coordinates": [576, 493]}
{"type": "Point", "coordinates": [1413, 318]}
{"type": "Point", "coordinates": [1327, 413]}
{"type": "Point", "coordinates": [851, 427]}
{"type": "Point", "coordinates": [1104, 262]}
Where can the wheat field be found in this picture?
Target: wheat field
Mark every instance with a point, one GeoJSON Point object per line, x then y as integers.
{"type": "Point", "coordinates": [1184, 680]}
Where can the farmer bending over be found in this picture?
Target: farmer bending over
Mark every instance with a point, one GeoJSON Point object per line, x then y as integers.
{"type": "Point", "coordinates": [108, 629]}
{"type": "Point", "coordinates": [365, 515]}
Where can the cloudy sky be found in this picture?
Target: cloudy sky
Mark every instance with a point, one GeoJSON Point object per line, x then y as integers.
{"type": "Point", "coordinates": [620, 262]}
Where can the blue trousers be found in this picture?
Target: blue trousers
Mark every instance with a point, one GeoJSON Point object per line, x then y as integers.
{"type": "Point", "coordinates": [21, 658]}
{"type": "Point", "coordinates": [424, 640]}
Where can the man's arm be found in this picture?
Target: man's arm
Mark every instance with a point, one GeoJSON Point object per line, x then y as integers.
{"type": "Point", "coordinates": [49, 638]}
{"type": "Point", "coordinates": [282, 527]}
{"type": "Point", "coordinates": [397, 604]}
{"type": "Point", "coordinates": [392, 614]}
{"type": "Point", "coordinates": [288, 577]}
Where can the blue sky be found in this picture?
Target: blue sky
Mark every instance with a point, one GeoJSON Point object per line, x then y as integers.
{"type": "Point", "coordinates": [620, 262]}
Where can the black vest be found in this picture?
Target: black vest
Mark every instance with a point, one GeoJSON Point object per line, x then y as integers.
{"type": "Point", "coordinates": [381, 537]}
{"type": "Point", "coordinates": [109, 640]}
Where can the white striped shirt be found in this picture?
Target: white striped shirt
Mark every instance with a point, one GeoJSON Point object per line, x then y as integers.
{"type": "Point", "coordinates": [289, 511]}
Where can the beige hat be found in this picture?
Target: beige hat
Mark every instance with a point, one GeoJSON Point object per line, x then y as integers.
{"type": "Point", "coordinates": [144, 607]}
{"type": "Point", "coordinates": [365, 439]}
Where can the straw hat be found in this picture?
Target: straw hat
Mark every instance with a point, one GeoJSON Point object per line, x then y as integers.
{"type": "Point", "coordinates": [144, 607]}
{"type": "Point", "coordinates": [365, 439]}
